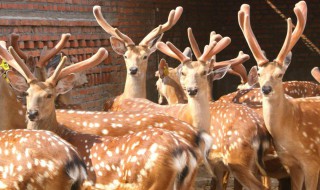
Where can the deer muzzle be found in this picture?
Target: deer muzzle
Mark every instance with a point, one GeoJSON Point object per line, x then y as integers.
{"type": "Point", "coordinates": [32, 114]}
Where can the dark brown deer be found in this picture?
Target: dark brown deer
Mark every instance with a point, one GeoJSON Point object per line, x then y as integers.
{"type": "Point", "coordinates": [37, 159]}
{"type": "Point", "coordinates": [293, 123]}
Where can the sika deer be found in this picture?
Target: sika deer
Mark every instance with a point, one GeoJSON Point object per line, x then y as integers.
{"type": "Point", "coordinates": [13, 116]}
{"type": "Point", "coordinates": [166, 163]}
{"type": "Point", "coordinates": [135, 56]}
{"type": "Point", "coordinates": [236, 140]}
{"type": "Point", "coordinates": [99, 123]}
{"type": "Point", "coordinates": [293, 123]}
{"type": "Point", "coordinates": [37, 159]}
{"type": "Point", "coordinates": [39, 66]}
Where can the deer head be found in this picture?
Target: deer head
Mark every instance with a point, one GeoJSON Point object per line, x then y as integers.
{"type": "Point", "coordinates": [41, 94]}
{"type": "Point", "coordinates": [271, 73]}
{"type": "Point", "coordinates": [136, 56]}
{"type": "Point", "coordinates": [193, 77]}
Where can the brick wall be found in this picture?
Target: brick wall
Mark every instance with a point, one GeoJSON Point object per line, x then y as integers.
{"type": "Point", "coordinates": [41, 22]}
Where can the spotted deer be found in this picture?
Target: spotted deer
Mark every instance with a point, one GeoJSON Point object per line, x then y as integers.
{"type": "Point", "coordinates": [293, 123]}
{"type": "Point", "coordinates": [168, 84]}
{"type": "Point", "coordinates": [149, 159]}
{"type": "Point", "coordinates": [10, 118]}
{"type": "Point", "coordinates": [111, 124]}
{"type": "Point", "coordinates": [135, 56]}
{"type": "Point", "coordinates": [315, 72]}
{"type": "Point", "coordinates": [38, 159]}
{"type": "Point", "coordinates": [236, 140]}
{"type": "Point", "coordinates": [43, 67]}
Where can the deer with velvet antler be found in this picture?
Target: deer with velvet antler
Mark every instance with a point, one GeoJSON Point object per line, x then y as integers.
{"type": "Point", "coordinates": [232, 135]}
{"type": "Point", "coordinates": [293, 123]}
{"type": "Point", "coordinates": [43, 67]}
{"type": "Point", "coordinates": [135, 56]}
{"type": "Point", "coordinates": [159, 156]}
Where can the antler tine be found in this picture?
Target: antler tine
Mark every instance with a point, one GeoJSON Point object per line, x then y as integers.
{"type": "Point", "coordinates": [109, 29]}
{"type": "Point", "coordinates": [315, 72]}
{"type": "Point", "coordinates": [173, 18]}
{"type": "Point", "coordinates": [166, 50]}
{"type": "Point", "coordinates": [285, 48]}
{"type": "Point", "coordinates": [300, 11]}
{"type": "Point", "coordinates": [233, 62]}
{"type": "Point", "coordinates": [176, 51]}
{"type": "Point", "coordinates": [14, 43]}
{"type": "Point", "coordinates": [214, 48]}
{"type": "Point", "coordinates": [194, 44]}
{"type": "Point", "coordinates": [54, 77]}
{"type": "Point", "coordinates": [44, 58]}
{"type": "Point", "coordinates": [244, 22]}
{"type": "Point", "coordinates": [17, 63]}
{"type": "Point", "coordinates": [292, 37]}
{"type": "Point", "coordinates": [94, 60]}
{"type": "Point", "coordinates": [215, 37]}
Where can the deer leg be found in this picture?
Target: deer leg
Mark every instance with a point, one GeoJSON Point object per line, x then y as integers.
{"type": "Point", "coordinates": [220, 171]}
{"type": "Point", "coordinates": [237, 185]}
{"type": "Point", "coordinates": [311, 176]}
{"type": "Point", "coordinates": [284, 183]}
{"type": "Point", "coordinates": [297, 177]}
{"type": "Point", "coordinates": [245, 177]}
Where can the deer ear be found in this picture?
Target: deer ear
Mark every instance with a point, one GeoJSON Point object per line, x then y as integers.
{"type": "Point", "coordinates": [17, 81]}
{"type": "Point", "coordinates": [220, 73]}
{"type": "Point", "coordinates": [187, 52]}
{"type": "Point", "coordinates": [152, 43]}
{"type": "Point", "coordinates": [253, 76]}
{"type": "Point", "coordinates": [118, 46]}
{"type": "Point", "coordinates": [163, 68]}
{"type": "Point", "coordinates": [287, 61]}
{"type": "Point", "coordinates": [65, 84]}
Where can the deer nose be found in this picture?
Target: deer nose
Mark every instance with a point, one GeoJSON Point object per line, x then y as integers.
{"type": "Point", "coordinates": [192, 91]}
{"type": "Point", "coordinates": [133, 70]}
{"type": "Point", "coordinates": [266, 90]}
{"type": "Point", "coordinates": [32, 114]}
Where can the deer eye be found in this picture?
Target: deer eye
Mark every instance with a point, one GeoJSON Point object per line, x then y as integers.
{"type": "Point", "coordinates": [125, 57]}
{"type": "Point", "coordinates": [280, 75]}
{"type": "Point", "coordinates": [24, 94]}
{"type": "Point", "coordinates": [204, 73]}
{"type": "Point", "coordinates": [49, 96]}
{"type": "Point", "coordinates": [183, 73]}
{"type": "Point", "coordinates": [145, 57]}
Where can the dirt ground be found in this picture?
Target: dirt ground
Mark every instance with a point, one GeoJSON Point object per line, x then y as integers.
{"type": "Point", "coordinates": [203, 181]}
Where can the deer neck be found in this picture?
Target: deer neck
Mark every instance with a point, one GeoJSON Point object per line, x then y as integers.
{"type": "Point", "coordinates": [274, 110]}
{"type": "Point", "coordinates": [198, 110]}
{"type": "Point", "coordinates": [49, 123]}
{"type": "Point", "coordinates": [135, 87]}
{"type": "Point", "coordinates": [10, 118]}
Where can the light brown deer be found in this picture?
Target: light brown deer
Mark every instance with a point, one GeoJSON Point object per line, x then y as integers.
{"type": "Point", "coordinates": [10, 118]}
{"type": "Point", "coordinates": [316, 74]}
{"type": "Point", "coordinates": [111, 124]}
{"type": "Point", "coordinates": [43, 67]}
{"type": "Point", "coordinates": [37, 159]}
{"type": "Point", "coordinates": [251, 95]}
{"type": "Point", "coordinates": [135, 56]}
{"type": "Point", "coordinates": [293, 123]}
{"type": "Point", "coordinates": [149, 159]}
{"type": "Point", "coordinates": [236, 140]}
{"type": "Point", "coordinates": [168, 83]}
